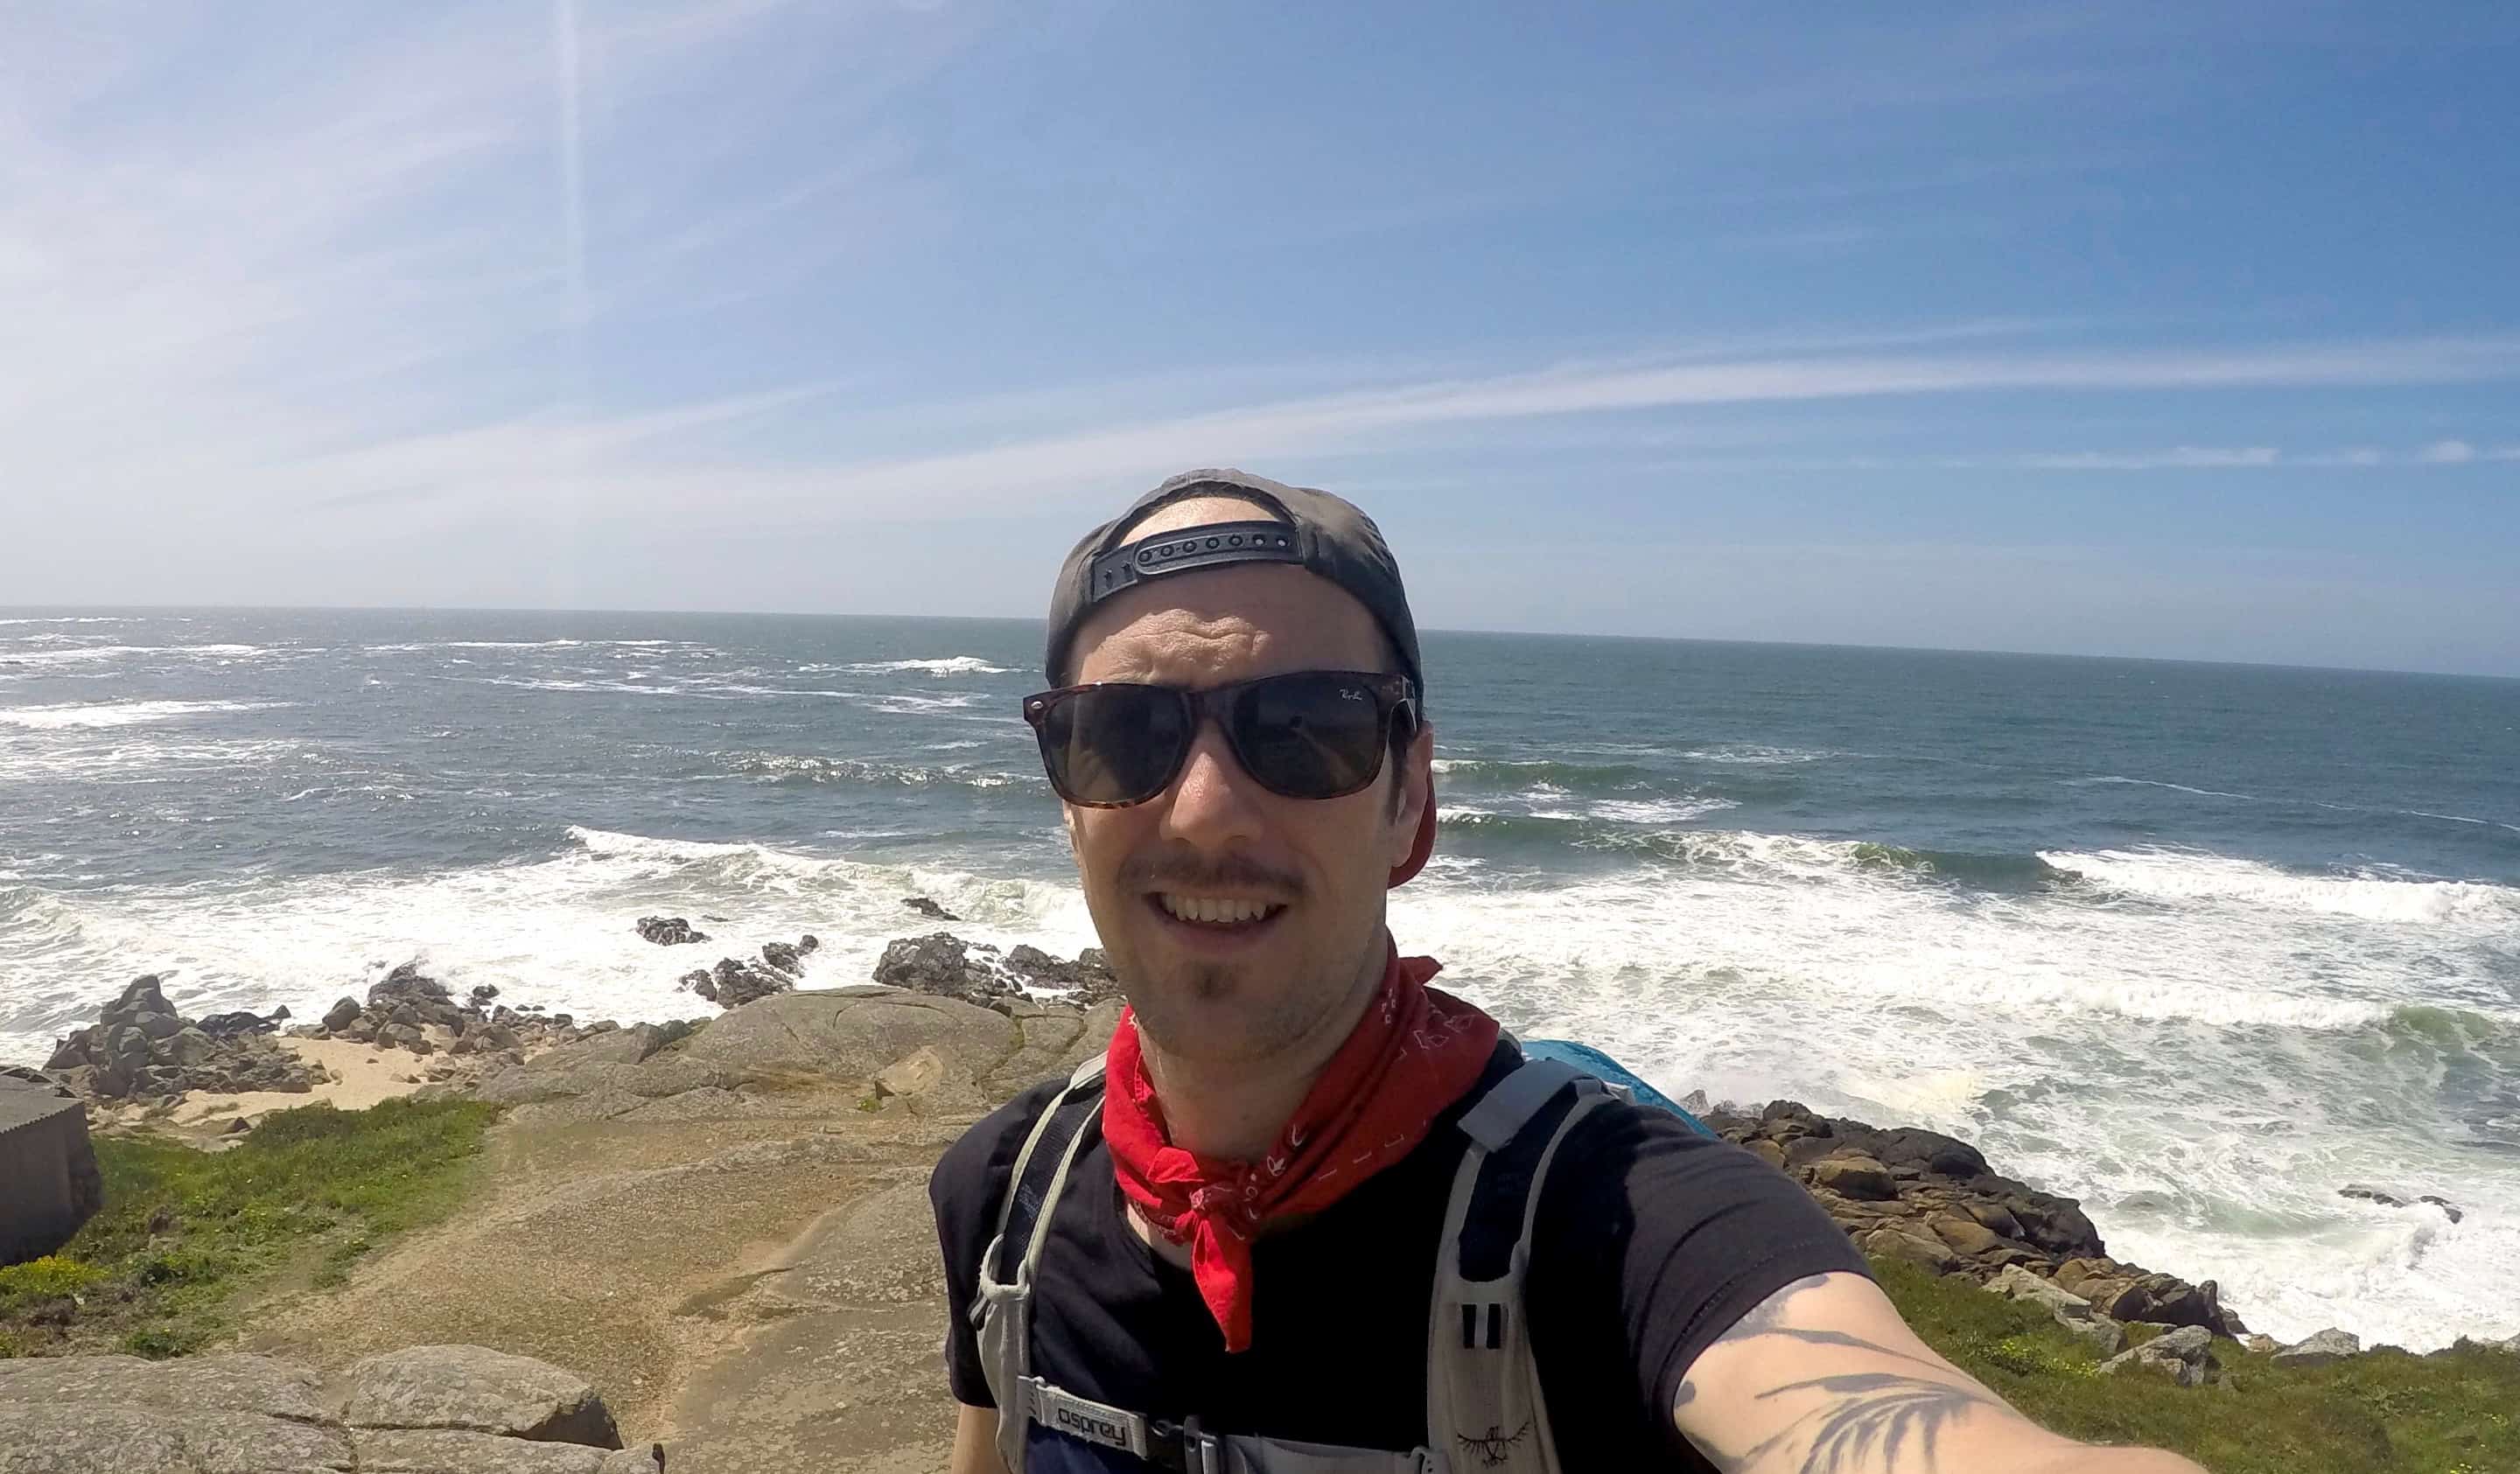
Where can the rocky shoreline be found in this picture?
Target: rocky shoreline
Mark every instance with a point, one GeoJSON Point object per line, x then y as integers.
{"type": "Point", "coordinates": [945, 1030]}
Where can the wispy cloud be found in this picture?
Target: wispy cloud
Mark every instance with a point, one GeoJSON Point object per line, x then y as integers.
{"type": "Point", "coordinates": [2440, 453]}
{"type": "Point", "coordinates": [667, 463]}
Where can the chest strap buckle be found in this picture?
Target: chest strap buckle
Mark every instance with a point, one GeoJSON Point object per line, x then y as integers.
{"type": "Point", "coordinates": [1177, 1447]}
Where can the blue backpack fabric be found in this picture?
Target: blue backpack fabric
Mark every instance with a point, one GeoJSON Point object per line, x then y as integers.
{"type": "Point", "coordinates": [1592, 1061]}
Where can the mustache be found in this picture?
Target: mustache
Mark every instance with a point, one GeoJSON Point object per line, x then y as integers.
{"type": "Point", "coordinates": [1224, 873]}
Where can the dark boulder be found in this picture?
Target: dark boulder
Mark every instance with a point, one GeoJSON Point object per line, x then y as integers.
{"type": "Point", "coordinates": [944, 965]}
{"type": "Point", "coordinates": [930, 909]}
{"type": "Point", "coordinates": [2055, 1223]}
{"type": "Point", "coordinates": [789, 957]}
{"type": "Point", "coordinates": [141, 1048]}
{"type": "Point", "coordinates": [141, 999]}
{"type": "Point", "coordinates": [739, 982]}
{"type": "Point", "coordinates": [1087, 981]}
{"type": "Point", "coordinates": [670, 931]}
{"type": "Point", "coordinates": [222, 1025]}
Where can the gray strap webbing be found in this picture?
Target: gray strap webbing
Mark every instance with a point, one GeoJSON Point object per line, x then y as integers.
{"type": "Point", "coordinates": [1002, 1313]}
{"type": "Point", "coordinates": [1502, 1113]}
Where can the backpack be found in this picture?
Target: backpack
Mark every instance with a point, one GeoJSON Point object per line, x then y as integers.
{"type": "Point", "coordinates": [1484, 1409]}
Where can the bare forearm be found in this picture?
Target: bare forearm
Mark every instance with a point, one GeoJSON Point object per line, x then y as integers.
{"type": "Point", "coordinates": [1823, 1377]}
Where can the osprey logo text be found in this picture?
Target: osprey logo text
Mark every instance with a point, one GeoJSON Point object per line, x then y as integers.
{"type": "Point", "coordinates": [1092, 1427]}
{"type": "Point", "coordinates": [1095, 1423]}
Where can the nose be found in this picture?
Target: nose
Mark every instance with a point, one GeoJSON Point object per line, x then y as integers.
{"type": "Point", "coordinates": [1213, 804]}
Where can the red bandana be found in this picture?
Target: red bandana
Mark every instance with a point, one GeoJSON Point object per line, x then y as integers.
{"type": "Point", "coordinates": [1416, 1052]}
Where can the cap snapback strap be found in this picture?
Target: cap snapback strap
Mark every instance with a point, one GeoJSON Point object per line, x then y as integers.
{"type": "Point", "coordinates": [1187, 548]}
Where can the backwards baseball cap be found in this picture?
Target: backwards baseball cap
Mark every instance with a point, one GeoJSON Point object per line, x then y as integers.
{"type": "Point", "coordinates": [1324, 534]}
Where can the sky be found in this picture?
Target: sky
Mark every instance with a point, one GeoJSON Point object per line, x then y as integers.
{"type": "Point", "coordinates": [2182, 330]}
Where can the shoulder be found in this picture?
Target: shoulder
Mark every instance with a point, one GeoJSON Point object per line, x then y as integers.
{"type": "Point", "coordinates": [1637, 1183]}
{"type": "Point", "coordinates": [970, 1178]}
{"type": "Point", "coordinates": [1651, 1157]}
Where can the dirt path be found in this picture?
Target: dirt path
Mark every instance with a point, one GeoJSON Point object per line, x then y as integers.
{"type": "Point", "coordinates": [748, 1273]}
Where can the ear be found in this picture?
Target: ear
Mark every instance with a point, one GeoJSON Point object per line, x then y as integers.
{"type": "Point", "coordinates": [1417, 798]}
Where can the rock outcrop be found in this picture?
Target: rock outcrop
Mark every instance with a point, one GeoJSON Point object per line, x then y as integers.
{"type": "Point", "coordinates": [429, 1409]}
{"type": "Point", "coordinates": [944, 965]}
{"type": "Point", "coordinates": [2185, 1355]}
{"type": "Point", "coordinates": [2388, 1199]}
{"type": "Point", "coordinates": [141, 1048]}
{"type": "Point", "coordinates": [670, 931]}
{"type": "Point", "coordinates": [2321, 1349]}
{"type": "Point", "coordinates": [737, 981]}
{"type": "Point", "coordinates": [1931, 1200]}
{"type": "Point", "coordinates": [408, 1009]}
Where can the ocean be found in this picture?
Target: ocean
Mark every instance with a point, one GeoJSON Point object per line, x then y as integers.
{"type": "Point", "coordinates": [2197, 943]}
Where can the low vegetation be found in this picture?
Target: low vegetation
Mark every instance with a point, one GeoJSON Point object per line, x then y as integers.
{"type": "Point", "coordinates": [2383, 1413]}
{"type": "Point", "coordinates": [184, 1233]}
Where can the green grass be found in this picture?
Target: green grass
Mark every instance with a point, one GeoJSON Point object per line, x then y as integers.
{"type": "Point", "coordinates": [183, 1231]}
{"type": "Point", "coordinates": [2373, 1415]}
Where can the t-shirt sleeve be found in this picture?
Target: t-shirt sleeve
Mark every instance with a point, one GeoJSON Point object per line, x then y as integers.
{"type": "Point", "coordinates": [1683, 1234]}
{"type": "Point", "coordinates": [964, 1190]}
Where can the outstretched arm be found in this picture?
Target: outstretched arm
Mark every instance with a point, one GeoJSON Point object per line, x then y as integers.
{"type": "Point", "coordinates": [1822, 1378]}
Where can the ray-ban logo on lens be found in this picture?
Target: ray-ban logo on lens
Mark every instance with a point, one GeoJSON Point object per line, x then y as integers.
{"type": "Point", "coordinates": [1350, 693]}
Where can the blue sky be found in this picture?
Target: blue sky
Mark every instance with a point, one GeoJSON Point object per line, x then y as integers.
{"type": "Point", "coordinates": [2183, 330]}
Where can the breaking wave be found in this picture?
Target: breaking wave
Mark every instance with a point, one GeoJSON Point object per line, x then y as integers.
{"type": "Point", "coordinates": [782, 768]}
{"type": "Point", "coordinates": [947, 665]}
{"type": "Point", "coordinates": [74, 715]}
{"type": "Point", "coordinates": [2167, 874]}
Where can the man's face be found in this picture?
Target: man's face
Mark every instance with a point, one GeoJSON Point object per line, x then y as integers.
{"type": "Point", "coordinates": [1238, 992]}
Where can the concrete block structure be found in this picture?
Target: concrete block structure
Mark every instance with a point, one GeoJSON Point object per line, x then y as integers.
{"type": "Point", "coordinates": [49, 1184]}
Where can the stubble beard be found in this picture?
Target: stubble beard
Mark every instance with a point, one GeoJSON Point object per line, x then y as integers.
{"type": "Point", "coordinates": [1221, 1015]}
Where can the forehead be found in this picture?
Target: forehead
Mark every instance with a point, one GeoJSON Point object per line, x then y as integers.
{"type": "Point", "coordinates": [1219, 624]}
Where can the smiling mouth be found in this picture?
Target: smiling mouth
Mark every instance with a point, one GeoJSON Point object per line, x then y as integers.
{"type": "Point", "coordinates": [1224, 914]}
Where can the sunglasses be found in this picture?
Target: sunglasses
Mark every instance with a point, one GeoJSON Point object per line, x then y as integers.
{"type": "Point", "coordinates": [1314, 734]}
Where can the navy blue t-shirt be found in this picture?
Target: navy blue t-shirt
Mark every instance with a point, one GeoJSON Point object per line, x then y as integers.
{"type": "Point", "coordinates": [1650, 1242]}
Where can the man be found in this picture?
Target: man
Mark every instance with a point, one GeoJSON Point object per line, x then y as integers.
{"type": "Point", "coordinates": [1248, 1244]}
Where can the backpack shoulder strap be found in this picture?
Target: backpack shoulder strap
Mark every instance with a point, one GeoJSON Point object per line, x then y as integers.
{"type": "Point", "coordinates": [1001, 1313]}
{"type": "Point", "coordinates": [1484, 1409]}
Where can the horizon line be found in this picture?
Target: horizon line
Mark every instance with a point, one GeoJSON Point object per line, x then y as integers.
{"type": "Point", "coordinates": [1810, 645]}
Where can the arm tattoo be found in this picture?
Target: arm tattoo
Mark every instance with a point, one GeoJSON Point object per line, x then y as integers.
{"type": "Point", "coordinates": [1873, 1408]}
{"type": "Point", "coordinates": [1866, 1412]}
{"type": "Point", "coordinates": [1767, 1318]}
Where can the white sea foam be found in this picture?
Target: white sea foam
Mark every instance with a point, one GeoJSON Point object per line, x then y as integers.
{"type": "Point", "coordinates": [418, 646]}
{"type": "Point", "coordinates": [127, 759]}
{"type": "Point", "coordinates": [2189, 876]}
{"type": "Point", "coordinates": [2239, 1092]}
{"type": "Point", "coordinates": [1756, 755]}
{"type": "Point", "coordinates": [81, 654]}
{"type": "Point", "coordinates": [1658, 811]}
{"type": "Point", "coordinates": [71, 715]}
{"type": "Point", "coordinates": [2112, 778]}
{"type": "Point", "coordinates": [555, 931]}
{"type": "Point", "coordinates": [947, 665]}
{"type": "Point", "coordinates": [565, 684]}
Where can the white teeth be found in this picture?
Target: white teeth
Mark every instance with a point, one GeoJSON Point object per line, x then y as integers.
{"type": "Point", "coordinates": [1213, 910]}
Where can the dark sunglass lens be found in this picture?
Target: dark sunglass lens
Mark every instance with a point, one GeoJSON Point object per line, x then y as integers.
{"type": "Point", "coordinates": [1115, 744]}
{"type": "Point", "coordinates": [1310, 735]}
